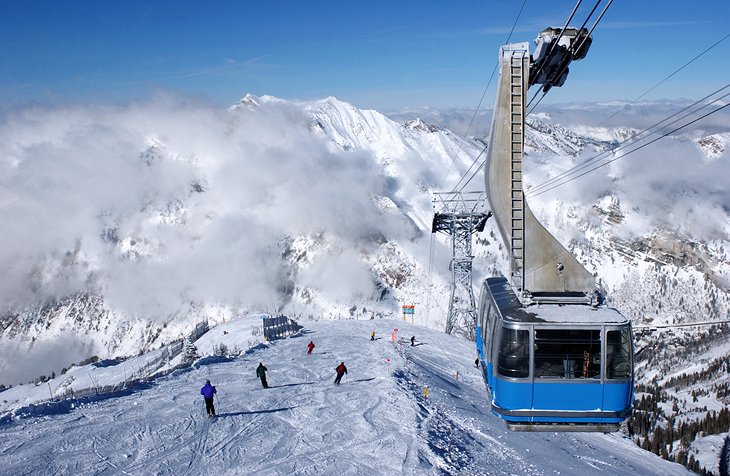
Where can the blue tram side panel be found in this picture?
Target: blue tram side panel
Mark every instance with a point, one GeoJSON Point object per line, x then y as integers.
{"type": "Point", "coordinates": [566, 367]}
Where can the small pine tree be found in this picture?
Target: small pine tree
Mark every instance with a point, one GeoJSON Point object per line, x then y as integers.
{"type": "Point", "coordinates": [190, 352]}
{"type": "Point", "coordinates": [691, 463]}
{"type": "Point", "coordinates": [221, 350]}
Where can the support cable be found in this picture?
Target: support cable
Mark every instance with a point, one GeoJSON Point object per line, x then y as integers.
{"type": "Point", "coordinates": [662, 81]}
{"type": "Point", "coordinates": [555, 43]}
{"type": "Point", "coordinates": [550, 52]}
{"type": "Point", "coordinates": [595, 24]}
{"type": "Point", "coordinates": [484, 93]}
{"type": "Point", "coordinates": [484, 149]}
{"type": "Point", "coordinates": [638, 137]}
{"type": "Point", "coordinates": [430, 283]}
{"type": "Point", "coordinates": [598, 20]}
{"type": "Point", "coordinates": [476, 171]}
{"type": "Point", "coordinates": [589, 17]}
{"type": "Point", "coordinates": [603, 164]}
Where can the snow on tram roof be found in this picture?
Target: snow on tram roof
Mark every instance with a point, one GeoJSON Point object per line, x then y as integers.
{"type": "Point", "coordinates": [513, 310]}
{"type": "Point", "coordinates": [575, 313]}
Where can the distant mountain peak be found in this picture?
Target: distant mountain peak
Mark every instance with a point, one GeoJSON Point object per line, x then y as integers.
{"type": "Point", "coordinates": [418, 125]}
{"type": "Point", "coordinates": [249, 100]}
{"type": "Point", "coordinates": [713, 146]}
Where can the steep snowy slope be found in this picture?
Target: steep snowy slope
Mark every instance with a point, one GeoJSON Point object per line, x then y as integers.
{"type": "Point", "coordinates": [376, 422]}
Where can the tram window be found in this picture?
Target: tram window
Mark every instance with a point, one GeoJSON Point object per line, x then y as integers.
{"type": "Point", "coordinates": [489, 326]}
{"type": "Point", "coordinates": [514, 353]}
{"type": "Point", "coordinates": [618, 355]}
{"type": "Point", "coordinates": [568, 353]}
{"type": "Point", "coordinates": [485, 321]}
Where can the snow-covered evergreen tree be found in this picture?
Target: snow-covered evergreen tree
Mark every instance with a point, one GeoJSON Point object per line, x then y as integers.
{"type": "Point", "coordinates": [220, 350]}
{"type": "Point", "coordinates": [190, 352]}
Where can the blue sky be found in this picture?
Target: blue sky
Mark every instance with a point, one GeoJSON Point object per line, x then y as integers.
{"type": "Point", "coordinates": [384, 55]}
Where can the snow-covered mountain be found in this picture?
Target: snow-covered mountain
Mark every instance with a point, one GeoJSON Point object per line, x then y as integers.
{"type": "Point", "coordinates": [124, 227]}
{"type": "Point", "coordinates": [128, 226]}
{"type": "Point", "coordinates": [179, 212]}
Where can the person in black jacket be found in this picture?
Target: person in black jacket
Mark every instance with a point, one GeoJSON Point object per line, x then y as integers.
{"type": "Point", "coordinates": [261, 373]}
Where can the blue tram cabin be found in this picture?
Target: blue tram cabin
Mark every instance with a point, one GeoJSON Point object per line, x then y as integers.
{"type": "Point", "coordinates": [554, 367]}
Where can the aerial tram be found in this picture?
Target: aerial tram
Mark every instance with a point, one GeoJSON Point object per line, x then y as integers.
{"type": "Point", "coordinates": [554, 358]}
{"type": "Point", "coordinates": [554, 367]}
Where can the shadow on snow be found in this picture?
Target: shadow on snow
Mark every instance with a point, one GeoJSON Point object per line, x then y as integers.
{"type": "Point", "coordinates": [273, 410]}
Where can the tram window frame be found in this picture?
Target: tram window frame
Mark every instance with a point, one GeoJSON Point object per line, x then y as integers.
{"type": "Point", "coordinates": [618, 355]}
{"type": "Point", "coordinates": [513, 357]}
{"type": "Point", "coordinates": [493, 319]}
{"type": "Point", "coordinates": [486, 307]}
{"type": "Point", "coordinates": [487, 330]}
{"type": "Point", "coordinates": [567, 354]}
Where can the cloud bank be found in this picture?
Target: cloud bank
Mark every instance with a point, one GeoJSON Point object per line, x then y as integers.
{"type": "Point", "coordinates": [173, 200]}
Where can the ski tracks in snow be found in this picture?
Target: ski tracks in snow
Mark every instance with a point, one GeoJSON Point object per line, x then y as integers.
{"type": "Point", "coordinates": [455, 445]}
{"type": "Point", "coordinates": [376, 422]}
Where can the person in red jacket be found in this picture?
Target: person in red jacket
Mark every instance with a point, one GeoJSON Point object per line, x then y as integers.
{"type": "Point", "coordinates": [310, 347]}
{"type": "Point", "coordinates": [341, 370]}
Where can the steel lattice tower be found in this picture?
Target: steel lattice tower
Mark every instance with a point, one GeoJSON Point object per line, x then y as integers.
{"type": "Point", "coordinates": [460, 214]}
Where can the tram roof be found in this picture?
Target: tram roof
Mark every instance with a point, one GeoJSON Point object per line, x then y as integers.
{"type": "Point", "coordinates": [513, 310]}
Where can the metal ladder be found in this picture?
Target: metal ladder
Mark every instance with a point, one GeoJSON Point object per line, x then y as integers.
{"type": "Point", "coordinates": [517, 139]}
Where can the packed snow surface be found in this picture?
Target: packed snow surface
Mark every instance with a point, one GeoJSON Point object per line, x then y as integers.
{"type": "Point", "coordinates": [377, 422]}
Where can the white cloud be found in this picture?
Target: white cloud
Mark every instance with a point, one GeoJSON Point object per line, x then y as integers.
{"type": "Point", "coordinates": [173, 200]}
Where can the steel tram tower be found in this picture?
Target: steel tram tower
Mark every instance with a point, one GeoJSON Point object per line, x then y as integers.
{"type": "Point", "coordinates": [460, 214]}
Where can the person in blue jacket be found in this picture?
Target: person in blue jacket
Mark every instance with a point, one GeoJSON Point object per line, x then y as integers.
{"type": "Point", "coordinates": [207, 392]}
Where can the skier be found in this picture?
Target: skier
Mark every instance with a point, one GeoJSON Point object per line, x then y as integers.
{"type": "Point", "coordinates": [476, 362]}
{"type": "Point", "coordinates": [372, 335]}
{"type": "Point", "coordinates": [413, 341]}
{"type": "Point", "coordinates": [207, 392]}
{"type": "Point", "coordinates": [261, 373]}
{"type": "Point", "coordinates": [310, 347]}
{"type": "Point", "coordinates": [341, 370]}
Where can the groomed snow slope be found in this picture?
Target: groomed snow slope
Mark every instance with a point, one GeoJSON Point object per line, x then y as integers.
{"type": "Point", "coordinates": [376, 422]}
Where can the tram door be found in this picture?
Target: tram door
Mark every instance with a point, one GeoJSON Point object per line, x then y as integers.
{"type": "Point", "coordinates": [484, 334]}
{"type": "Point", "coordinates": [618, 391]}
{"type": "Point", "coordinates": [567, 369]}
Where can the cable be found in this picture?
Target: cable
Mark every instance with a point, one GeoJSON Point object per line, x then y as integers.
{"type": "Point", "coordinates": [484, 149]}
{"type": "Point", "coordinates": [489, 83]}
{"type": "Point", "coordinates": [545, 61]}
{"type": "Point", "coordinates": [633, 150]}
{"type": "Point", "coordinates": [537, 190]}
{"type": "Point", "coordinates": [537, 103]}
{"type": "Point", "coordinates": [555, 43]}
{"type": "Point", "coordinates": [663, 80]}
{"type": "Point", "coordinates": [475, 171]}
{"type": "Point", "coordinates": [430, 268]}
{"type": "Point", "coordinates": [453, 159]}
{"type": "Point", "coordinates": [533, 98]}
{"type": "Point", "coordinates": [566, 63]}
{"type": "Point", "coordinates": [598, 20]}
{"type": "Point", "coordinates": [632, 140]}
{"type": "Point", "coordinates": [589, 17]}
